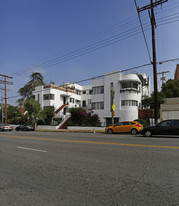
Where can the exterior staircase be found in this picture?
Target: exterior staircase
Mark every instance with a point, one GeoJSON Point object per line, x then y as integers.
{"type": "Point", "coordinates": [65, 117]}
{"type": "Point", "coordinates": [64, 123]}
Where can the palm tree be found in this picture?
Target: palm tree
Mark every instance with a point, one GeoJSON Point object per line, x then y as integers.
{"type": "Point", "coordinates": [36, 79]}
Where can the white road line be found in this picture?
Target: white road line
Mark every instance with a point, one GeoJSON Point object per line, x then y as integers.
{"type": "Point", "coordinates": [37, 150]}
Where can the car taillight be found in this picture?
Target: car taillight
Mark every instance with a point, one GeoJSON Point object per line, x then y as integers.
{"type": "Point", "coordinates": [5, 127]}
{"type": "Point", "coordinates": [139, 125]}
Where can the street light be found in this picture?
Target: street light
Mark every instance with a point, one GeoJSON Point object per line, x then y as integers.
{"type": "Point", "coordinates": [112, 102]}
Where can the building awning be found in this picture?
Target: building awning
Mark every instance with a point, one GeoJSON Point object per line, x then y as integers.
{"type": "Point", "coordinates": [64, 95]}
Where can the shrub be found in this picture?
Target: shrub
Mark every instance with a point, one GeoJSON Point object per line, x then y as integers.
{"type": "Point", "coordinates": [80, 116]}
{"type": "Point", "coordinates": [57, 119]}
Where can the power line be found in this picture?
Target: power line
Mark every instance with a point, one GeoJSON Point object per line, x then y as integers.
{"type": "Point", "coordinates": [143, 31]}
{"type": "Point", "coordinates": [100, 76]}
{"type": "Point", "coordinates": [88, 48]}
{"type": "Point", "coordinates": [95, 45]}
{"type": "Point", "coordinates": [87, 40]}
{"type": "Point", "coordinates": [128, 69]}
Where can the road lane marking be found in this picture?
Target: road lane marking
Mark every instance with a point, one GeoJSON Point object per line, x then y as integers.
{"type": "Point", "coordinates": [26, 148]}
{"type": "Point", "coordinates": [93, 142]}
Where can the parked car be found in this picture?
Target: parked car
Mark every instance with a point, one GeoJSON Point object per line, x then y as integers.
{"type": "Point", "coordinates": [6, 127]}
{"type": "Point", "coordinates": [167, 127]}
{"type": "Point", "coordinates": [132, 127]}
{"type": "Point", "coordinates": [25, 128]}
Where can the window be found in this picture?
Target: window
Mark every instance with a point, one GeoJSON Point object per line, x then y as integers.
{"type": "Point", "coordinates": [84, 92]}
{"type": "Point", "coordinates": [78, 102]}
{"type": "Point", "coordinates": [123, 123]}
{"type": "Point", "coordinates": [129, 84]}
{"type": "Point", "coordinates": [72, 100]}
{"type": "Point", "coordinates": [49, 96]}
{"type": "Point", "coordinates": [98, 90]}
{"type": "Point", "coordinates": [165, 123]}
{"type": "Point", "coordinates": [135, 85]}
{"type": "Point", "coordinates": [126, 123]}
{"type": "Point", "coordinates": [89, 101]}
{"type": "Point", "coordinates": [38, 97]}
{"type": "Point", "coordinates": [119, 124]}
{"type": "Point", "coordinates": [84, 103]}
{"type": "Point", "coordinates": [122, 102]}
{"type": "Point", "coordinates": [97, 105]}
{"type": "Point", "coordinates": [124, 85]}
{"type": "Point", "coordinates": [129, 103]}
{"type": "Point", "coordinates": [176, 123]}
{"type": "Point", "coordinates": [78, 92]}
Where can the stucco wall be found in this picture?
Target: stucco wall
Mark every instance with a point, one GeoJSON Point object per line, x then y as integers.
{"type": "Point", "coordinates": [170, 109]}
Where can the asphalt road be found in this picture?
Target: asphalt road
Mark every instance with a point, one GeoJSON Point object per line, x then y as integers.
{"type": "Point", "coordinates": [77, 169]}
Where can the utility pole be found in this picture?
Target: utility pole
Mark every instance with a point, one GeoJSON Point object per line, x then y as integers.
{"type": "Point", "coordinates": [5, 82]}
{"type": "Point", "coordinates": [2, 112]}
{"type": "Point", "coordinates": [163, 77]}
{"type": "Point", "coordinates": [154, 62]}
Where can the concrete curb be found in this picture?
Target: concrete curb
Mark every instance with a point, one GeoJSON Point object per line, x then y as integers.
{"type": "Point", "coordinates": [70, 131]}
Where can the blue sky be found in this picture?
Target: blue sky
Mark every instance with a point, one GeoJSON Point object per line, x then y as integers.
{"type": "Point", "coordinates": [72, 40]}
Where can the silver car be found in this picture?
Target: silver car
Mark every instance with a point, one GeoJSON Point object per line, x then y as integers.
{"type": "Point", "coordinates": [6, 127]}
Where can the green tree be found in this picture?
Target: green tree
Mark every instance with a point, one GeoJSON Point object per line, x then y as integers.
{"type": "Point", "coordinates": [1, 114]}
{"type": "Point", "coordinates": [149, 102]}
{"type": "Point", "coordinates": [13, 114]}
{"type": "Point", "coordinates": [35, 112]}
{"type": "Point", "coordinates": [25, 119]}
{"type": "Point", "coordinates": [36, 79]}
{"type": "Point", "coordinates": [21, 102]}
{"type": "Point", "coordinates": [171, 88]}
{"type": "Point", "coordinates": [49, 112]}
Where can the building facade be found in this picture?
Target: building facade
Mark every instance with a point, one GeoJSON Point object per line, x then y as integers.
{"type": "Point", "coordinates": [170, 109]}
{"type": "Point", "coordinates": [124, 91]}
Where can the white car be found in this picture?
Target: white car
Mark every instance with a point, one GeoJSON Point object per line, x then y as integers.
{"type": "Point", "coordinates": [6, 127]}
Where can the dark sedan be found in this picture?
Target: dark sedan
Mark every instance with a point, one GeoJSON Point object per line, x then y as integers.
{"type": "Point", "coordinates": [167, 127]}
{"type": "Point", "coordinates": [24, 128]}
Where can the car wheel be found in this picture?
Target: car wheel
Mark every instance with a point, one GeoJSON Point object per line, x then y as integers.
{"type": "Point", "coordinates": [134, 131]}
{"type": "Point", "coordinates": [148, 133]}
{"type": "Point", "coordinates": [110, 131]}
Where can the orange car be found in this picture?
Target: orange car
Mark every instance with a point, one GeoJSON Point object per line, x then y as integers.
{"type": "Point", "coordinates": [127, 126]}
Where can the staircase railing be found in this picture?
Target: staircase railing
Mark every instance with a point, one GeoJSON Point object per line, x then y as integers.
{"type": "Point", "coordinates": [60, 108]}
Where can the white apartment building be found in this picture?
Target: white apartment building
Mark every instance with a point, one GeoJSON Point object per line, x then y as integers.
{"type": "Point", "coordinates": [128, 90]}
